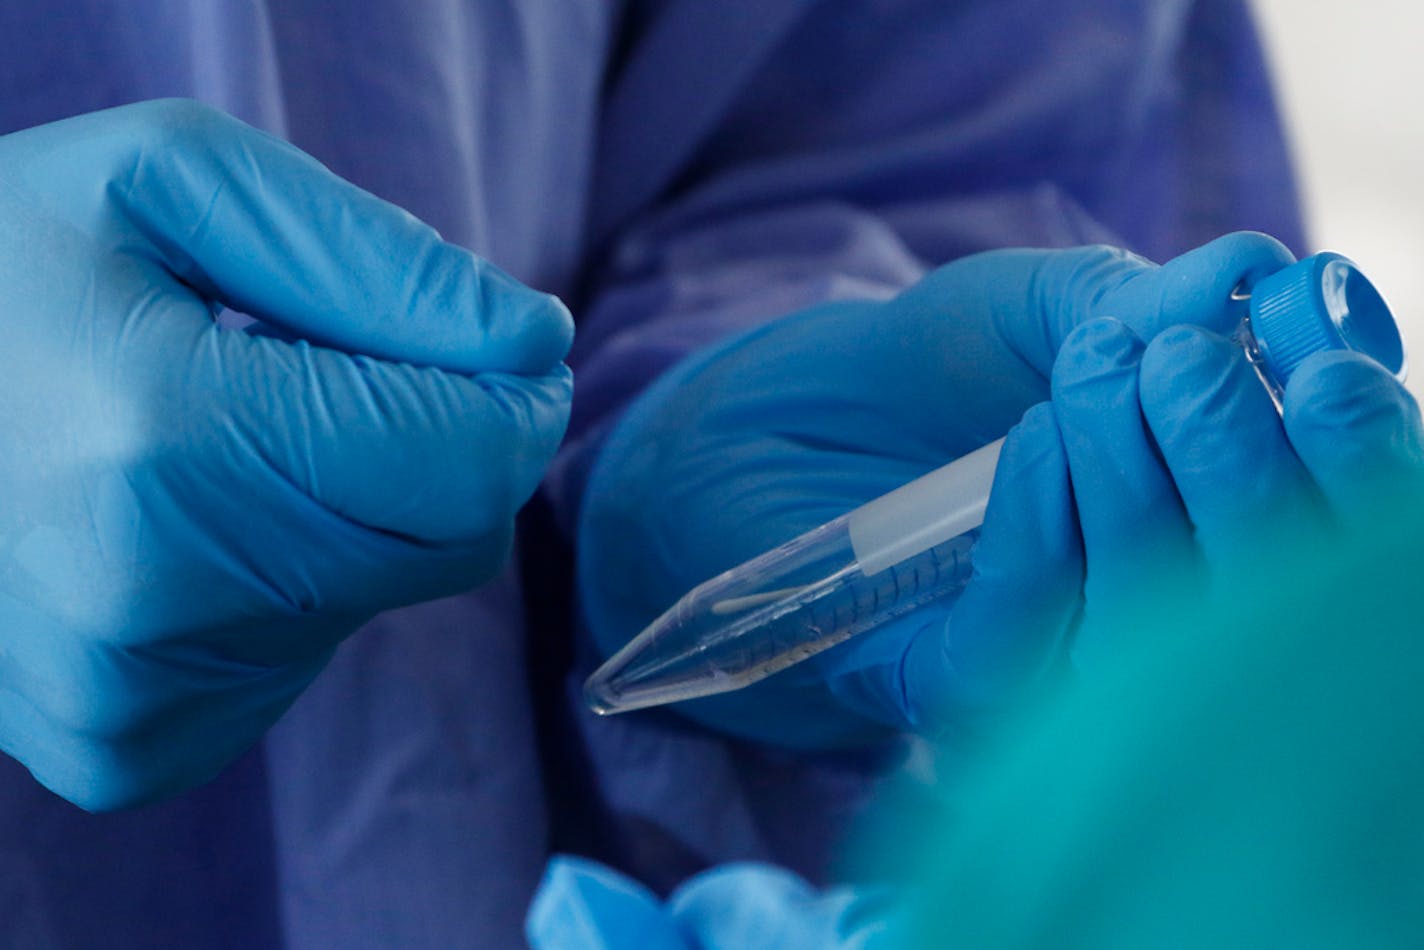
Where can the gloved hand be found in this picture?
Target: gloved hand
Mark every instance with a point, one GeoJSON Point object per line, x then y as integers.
{"type": "Point", "coordinates": [1181, 473]}
{"type": "Point", "coordinates": [1245, 773]}
{"type": "Point", "coordinates": [191, 518]}
{"type": "Point", "coordinates": [583, 904]}
{"type": "Point", "coordinates": [1185, 479]}
{"type": "Point", "coordinates": [786, 427]}
{"type": "Point", "coordinates": [732, 907]}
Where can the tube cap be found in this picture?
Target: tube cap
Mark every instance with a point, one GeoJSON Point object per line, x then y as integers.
{"type": "Point", "coordinates": [1322, 303]}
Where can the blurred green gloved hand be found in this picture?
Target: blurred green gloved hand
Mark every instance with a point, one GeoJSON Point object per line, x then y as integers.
{"type": "Point", "coordinates": [191, 518]}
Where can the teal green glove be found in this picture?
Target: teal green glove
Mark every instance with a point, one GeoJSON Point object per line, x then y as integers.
{"type": "Point", "coordinates": [784, 428]}
{"type": "Point", "coordinates": [191, 518]}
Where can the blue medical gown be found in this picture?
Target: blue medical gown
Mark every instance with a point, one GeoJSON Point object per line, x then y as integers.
{"type": "Point", "coordinates": [677, 170]}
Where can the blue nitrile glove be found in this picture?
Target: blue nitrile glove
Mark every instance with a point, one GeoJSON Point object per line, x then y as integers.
{"type": "Point", "coordinates": [1179, 465]}
{"type": "Point", "coordinates": [1358, 477]}
{"type": "Point", "coordinates": [755, 906]}
{"type": "Point", "coordinates": [583, 904]}
{"type": "Point", "coordinates": [732, 907]}
{"type": "Point", "coordinates": [1185, 477]}
{"type": "Point", "coordinates": [793, 424]}
{"type": "Point", "coordinates": [1246, 771]}
{"type": "Point", "coordinates": [192, 518]}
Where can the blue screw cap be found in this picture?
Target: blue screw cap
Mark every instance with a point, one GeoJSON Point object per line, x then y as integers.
{"type": "Point", "coordinates": [1322, 303]}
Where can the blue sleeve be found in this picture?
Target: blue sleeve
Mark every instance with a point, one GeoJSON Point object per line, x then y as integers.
{"type": "Point", "coordinates": [836, 151]}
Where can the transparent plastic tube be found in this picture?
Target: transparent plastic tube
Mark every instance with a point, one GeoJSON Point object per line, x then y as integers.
{"type": "Point", "coordinates": [849, 575]}
{"type": "Point", "coordinates": [914, 546]}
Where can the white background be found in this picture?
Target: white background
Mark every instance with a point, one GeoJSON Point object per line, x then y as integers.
{"type": "Point", "coordinates": [1350, 77]}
